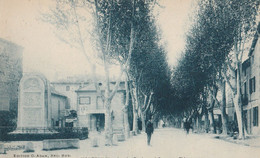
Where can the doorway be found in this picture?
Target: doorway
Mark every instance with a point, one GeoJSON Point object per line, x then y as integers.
{"type": "Point", "coordinates": [97, 122]}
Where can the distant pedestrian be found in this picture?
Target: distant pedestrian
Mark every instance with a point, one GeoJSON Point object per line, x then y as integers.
{"type": "Point", "coordinates": [149, 131]}
{"type": "Point", "coordinates": [187, 125]}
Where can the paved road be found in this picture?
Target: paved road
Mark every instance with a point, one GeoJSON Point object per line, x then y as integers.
{"type": "Point", "coordinates": [166, 143]}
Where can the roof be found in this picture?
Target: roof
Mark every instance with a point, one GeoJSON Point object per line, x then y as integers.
{"type": "Point", "coordinates": [68, 82]}
{"type": "Point", "coordinates": [77, 79]}
{"type": "Point", "coordinates": [91, 87]}
{"type": "Point", "coordinates": [245, 64]}
{"type": "Point", "coordinates": [54, 92]}
{"type": "Point", "coordinates": [10, 43]}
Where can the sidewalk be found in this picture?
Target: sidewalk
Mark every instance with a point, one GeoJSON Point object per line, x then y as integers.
{"type": "Point", "coordinates": [252, 141]}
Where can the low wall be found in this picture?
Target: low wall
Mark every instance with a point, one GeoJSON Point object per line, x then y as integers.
{"type": "Point", "coordinates": [54, 144]}
{"type": "Point", "coordinates": [119, 134]}
{"type": "Point", "coordinates": [29, 134]}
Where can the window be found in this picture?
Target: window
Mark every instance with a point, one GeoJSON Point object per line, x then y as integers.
{"type": "Point", "coordinates": [100, 103]}
{"type": "Point", "coordinates": [245, 89]}
{"type": "Point", "coordinates": [252, 59]}
{"type": "Point", "coordinates": [84, 100]}
{"type": "Point", "coordinates": [244, 95]}
{"type": "Point", "coordinates": [255, 116]}
{"type": "Point", "coordinates": [252, 85]}
{"type": "Point", "coordinates": [67, 88]}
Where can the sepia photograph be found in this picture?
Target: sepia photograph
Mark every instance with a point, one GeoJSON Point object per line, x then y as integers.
{"type": "Point", "coordinates": [129, 79]}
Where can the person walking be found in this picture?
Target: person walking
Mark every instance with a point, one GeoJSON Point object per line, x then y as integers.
{"type": "Point", "coordinates": [149, 131]}
{"type": "Point", "coordinates": [187, 125]}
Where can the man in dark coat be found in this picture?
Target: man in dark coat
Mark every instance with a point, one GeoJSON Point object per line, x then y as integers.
{"type": "Point", "coordinates": [149, 131]}
{"type": "Point", "coordinates": [187, 125]}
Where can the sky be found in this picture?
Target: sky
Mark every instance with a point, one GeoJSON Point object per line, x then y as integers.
{"type": "Point", "coordinates": [43, 52]}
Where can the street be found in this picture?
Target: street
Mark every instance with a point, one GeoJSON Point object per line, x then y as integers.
{"type": "Point", "coordinates": [166, 143]}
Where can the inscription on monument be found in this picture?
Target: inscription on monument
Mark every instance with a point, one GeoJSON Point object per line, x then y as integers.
{"type": "Point", "coordinates": [32, 117]}
{"type": "Point", "coordinates": [32, 99]}
{"type": "Point", "coordinates": [32, 103]}
{"type": "Point", "coordinates": [32, 84]}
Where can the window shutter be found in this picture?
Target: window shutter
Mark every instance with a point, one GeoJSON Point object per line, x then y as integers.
{"type": "Point", "coordinates": [254, 84]}
{"type": "Point", "coordinates": [254, 112]}
{"type": "Point", "coordinates": [256, 116]}
{"type": "Point", "coordinates": [250, 86]}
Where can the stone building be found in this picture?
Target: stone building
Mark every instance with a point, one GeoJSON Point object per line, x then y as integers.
{"type": "Point", "coordinates": [68, 88]}
{"type": "Point", "coordinates": [40, 108]}
{"type": "Point", "coordinates": [250, 90]}
{"type": "Point", "coordinates": [91, 110]}
{"type": "Point", "coordinates": [251, 87]}
{"type": "Point", "coordinates": [250, 79]}
{"type": "Point", "coordinates": [11, 69]}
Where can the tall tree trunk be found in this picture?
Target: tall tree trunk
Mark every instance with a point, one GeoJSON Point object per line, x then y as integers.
{"type": "Point", "coordinates": [205, 112]}
{"type": "Point", "coordinates": [135, 107]}
{"type": "Point", "coordinates": [108, 122]}
{"type": "Point", "coordinates": [238, 102]}
{"type": "Point", "coordinates": [213, 124]}
{"type": "Point", "coordinates": [126, 122]}
{"type": "Point", "coordinates": [128, 87]}
{"type": "Point", "coordinates": [224, 117]}
{"type": "Point", "coordinates": [206, 123]}
{"type": "Point", "coordinates": [199, 122]}
{"type": "Point", "coordinates": [146, 106]}
{"type": "Point", "coordinates": [212, 105]}
{"type": "Point", "coordinates": [143, 120]}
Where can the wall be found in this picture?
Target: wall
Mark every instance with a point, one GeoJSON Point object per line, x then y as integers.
{"type": "Point", "coordinates": [85, 110]}
{"type": "Point", "coordinates": [71, 94]}
{"type": "Point", "coordinates": [10, 74]}
{"type": "Point", "coordinates": [58, 107]}
{"type": "Point", "coordinates": [254, 97]}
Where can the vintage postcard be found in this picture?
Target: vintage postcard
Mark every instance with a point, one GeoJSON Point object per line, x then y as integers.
{"type": "Point", "coordinates": [129, 79]}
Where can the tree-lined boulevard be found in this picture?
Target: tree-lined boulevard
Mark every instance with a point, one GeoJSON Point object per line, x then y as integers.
{"type": "Point", "coordinates": [125, 33]}
{"type": "Point", "coordinates": [166, 143]}
{"type": "Point", "coordinates": [218, 70]}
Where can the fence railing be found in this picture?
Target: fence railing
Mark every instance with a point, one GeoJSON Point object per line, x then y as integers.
{"type": "Point", "coordinates": [10, 133]}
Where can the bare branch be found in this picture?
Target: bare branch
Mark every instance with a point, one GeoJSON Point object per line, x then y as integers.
{"type": "Point", "coordinates": [149, 102]}
{"type": "Point", "coordinates": [116, 86]}
{"type": "Point", "coordinates": [230, 66]}
{"type": "Point", "coordinates": [228, 81]}
{"type": "Point", "coordinates": [145, 100]}
{"type": "Point", "coordinates": [80, 35]}
{"type": "Point", "coordinates": [132, 37]}
{"type": "Point", "coordinates": [242, 51]}
{"type": "Point", "coordinates": [214, 97]}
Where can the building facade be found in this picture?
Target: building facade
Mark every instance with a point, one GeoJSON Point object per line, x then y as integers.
{"type": "Point", "coordinates": [59, 109]}
{"type": "Point", "coordinates": [91, 110]}
{"type": "Point", "coordinates": [11, 70]}
{"type": "Point", "coordinates": [68, 88]}
{"type": "Point", "coordinates": [251, 88]}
